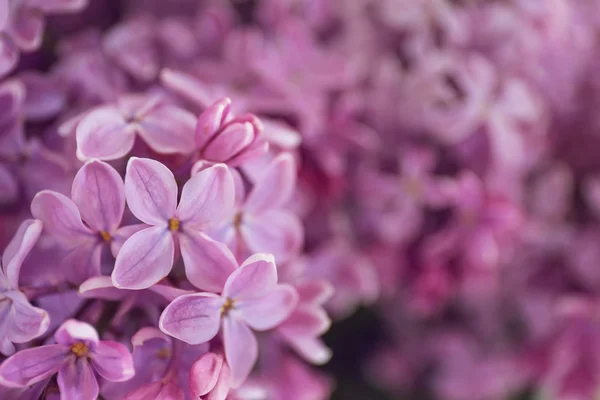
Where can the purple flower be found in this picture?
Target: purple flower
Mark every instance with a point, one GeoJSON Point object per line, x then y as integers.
{"type": "Point", "coordinates": [20, 322]}
{"type": "Point", "coordinates": [77, 357]}
{"type": "Point", "coordinates": [108, 132]}
{"type": "Point", "coordinates": [251, 298]}
{"type": "Point", "coordinates": [148, 255]}
{"type": "Point", "coordinates": [87, 222]}
{"type": "Point", "coordinates": [221, 137]}
{"type": "Point", "coordinates": [261, 223]}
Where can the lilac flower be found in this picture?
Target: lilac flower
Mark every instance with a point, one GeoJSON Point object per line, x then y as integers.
{"type": "Point", "coordinates": [87, 222]}
{"type": "Point", "coordinates": [251, 298]}
{"type": "Point", "coordinates": [221, 137]}
{"type": "Point", "coordinates": [20, 322]}
{"type": "Point", "coordinates": [77, 357]}
{"type": "Point", "coordinates": [261, 223]}
{"type": "Point", "coordinates": [148, 255]}
{"type": "Point", "coordinates": [109, 132]}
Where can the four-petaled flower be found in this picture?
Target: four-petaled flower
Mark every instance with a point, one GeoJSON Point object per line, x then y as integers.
{"type": "Point", "coordinates": [251, 298]}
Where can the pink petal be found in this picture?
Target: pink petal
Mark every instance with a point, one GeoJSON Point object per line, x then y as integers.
{"type": "Point", "coordinates": [168, 129]}
{"type": "Point", "coordinates": [73, 331]}
{"type": "Point", "coordinates": [211, 120]}
{"type": "Point", "coordinates": [26, 27]}
{"type": "Point", "coordinates": [18, 248]}
{"type": "Point", "coordinates": [101, 287]}
{"type": "Point", "coordinates": [312, 350]}
{"type": "Point", "coordinates": [268, 311]}
{"type": "Point", "coordinates": [76, 380]}
{"type": "Point", "coordinates": [208, 263]}
{"type": "Point", "coordinates": [60, 217]}
{"type": "Point", "coordinates": [170, 391]}
{"type": "Point", "coordinates": [104, 134]}
{"type": "Point", "coordinates": [274, 187]}
{"type": "Point", "coordinates": [4, 13]}
{"type": "Point", "coordinates": [32, 365]}
{"type": "Point", "coordinates": [305, 322]}
{"type": "Point", "coordinates": [145, 258]}
{"type": "Point", "coordinates": [192, 318]}
{"type": "Point", "coordinates": [221, 389]}
{"type": "Point", "coordinates": [256, 277]}
{"type": "Point", "coordinates": [205, 373]}
{"type": "Point", "coordinates": [241, 350]}
{"type": "Point", "coordinates": [188, 87]}
{"type": "Point", "coordinates": [84, 261]}
{"type": "Point", "coordinates": [144, 392]}
{"type": "Point", "coordinates": [149, 333]}
{"type": "Point", "coordinates": [315, 292]}
{"type": "Point", "coordinates": [112, 361]}
{"type": "Point", "coordinates": [9, 187]}
{"type": "Point", "coordinates": [44, 98]}
{"type": "Point", "coordinates": [27, 322]}
{"type": "Point", "coordinates": [151, 191]}
{"type": "Point", "coordinates": [59, 6]}
{"type": "Point", "coordinates": [229, 142]}
{"type": "Point", "coordinates": [207, 198]}
{"type": "Point", "coordinates": [99, 193]}
{"type": "Point", "coordinates": [9, 55]}
{"type": "Point", "coordinates": [278, 232]}
{"type": "Point", "coordinates": [122, 234]}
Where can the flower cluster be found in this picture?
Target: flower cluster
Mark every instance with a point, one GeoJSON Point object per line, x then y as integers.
{"type": "Point", "coordinates": [191, 191]}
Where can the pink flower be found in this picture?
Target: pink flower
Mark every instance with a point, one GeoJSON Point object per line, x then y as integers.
{"type": "Point", "coordinates": [87, 222]}
{"type": "Point", "coordinates": [77, 357]}
{"type": "Point", "coordinates": [251, 298]}
{"type": "Point", "coordinates": [148, 255]}
{"type": "Point", "coordinates": [20, 322]}
{"type": "Point", "coordinates": [261, 223]}
{"type": "Point", "coordinates": [221, 137]}
{"type": "Point", "coordinates": [108, 132]}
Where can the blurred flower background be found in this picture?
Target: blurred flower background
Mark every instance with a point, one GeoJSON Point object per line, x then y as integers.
{"type": "Point", "coordinates": [425, 174]}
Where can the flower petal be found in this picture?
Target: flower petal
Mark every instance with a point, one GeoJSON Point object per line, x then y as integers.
{"type": "Point", "coordinates": [145, 258]}
{"type": "Point", "coordinates": [205, 373]}
{"type": "Point", "coordinates": [229, 142]}
{"type": "Point", "coordinates": [122, 234]}
{"type": "Point", "coordinates": [26, 27]}
{"type": "Point", "coordinates": [268, 311]}
{"type": "Point", "coordinates": [18, 248]}
{"type": "Point", "coordinates": [207, 198]}
{"type": "Point", "coordinates": [83, 262]}
{"type": "Point", "coordinates": [76, 380]}
{"type": "Point", "coordinates": [99, 193]}
{"type": "Point", "coordinates": [104, 134]}
{"type": "Point", "coordinates": [72, 331]}
{"type": "Point", "coordinates": [151, 191]}
{"type": "Point", "coordinates": [101, 287]}
{"type": "Point", "coordinates": [26, 321]}
{"type": "Point", "coordinates": [208, 263]}
{"type": "Point", "coordinates": [112, 361]}
{"type": "Point", "coordinates": [32, 365]}
{"type": "Point", "coordinates": [274, 187]}
{"type": "Point", "coordinates": [59, 6]}
{"type": "Point", "coordinates": [9, 55]}
{"type": "Point", "coordinates": [168, 129]}
{"type": "Point", "coordinates": [9, 187]}
{"type": "Point", "coordinates": [210, 121]}
{"type": "Point", "coordinates": [44, 99]}
{"type": "Point", "coordinates": [241, 349]}
{"type": "Point", "coordinates": [278, 232]}
{"type": "Point", "coordinates": [257, 276]}
{"type": "Point", "coordinates": [305, 322]}
{"type": "Point", "coordinates": [221, 389]}
{"type": "Point", "coordinates": [192, 318]}
{"type": "Point", "coordinates": [61, 218]}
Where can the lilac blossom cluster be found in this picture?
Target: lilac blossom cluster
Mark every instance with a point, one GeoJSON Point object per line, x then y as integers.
{"type": "Point", "coordinates": [190, 191]}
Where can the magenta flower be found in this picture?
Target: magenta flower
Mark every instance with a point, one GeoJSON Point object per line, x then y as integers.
{"type": "Point", "coordinates": [77, 357]}
{"type": "Point", "coordinates": [109, 132]}
{"type": "Point", "coordinates": [261, 223]}
{"type": "Point", "coordinates": [251, 298]}
{"type": "Point", "coordinates": [221, 137]}
{"type": "Point", "coordinates": [20, 322]}
{"type": "Point", "coordinates": [87, 222]}
{"type": "Point", "coordinates": [148, 255]}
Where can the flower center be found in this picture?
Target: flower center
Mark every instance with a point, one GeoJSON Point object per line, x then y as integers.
{"type": "Point", "coordinates": [164, 353]}
{"type": "Point", "coordinates": [228, 305]}
{"type": "Point", "coordinates": [105, 236]}
{"type": "Point", "coordinates": [174, 224]}
{"type": "Point", "coordinates": [80, 349]}
{"type": "Point", "coordinates": [237, 220]}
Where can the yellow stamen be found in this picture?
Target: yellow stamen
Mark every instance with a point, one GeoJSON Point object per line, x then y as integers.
{"type": "Point", "coordinates": [164, 353]}
{"type": "Point", "coordinates": [80, 349]}
{"type": "Point", "coordinates": [228, 305]}
{"type": "Point", "coordinates": [174, 224]}
{"type": "Point", "coordinates": [105, 236]}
